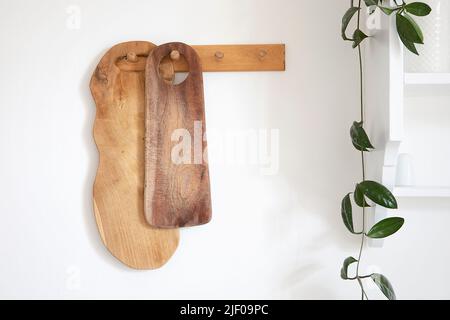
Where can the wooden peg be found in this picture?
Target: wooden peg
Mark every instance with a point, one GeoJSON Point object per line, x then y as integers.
{"type": "Point", "coordinates": [219, 54]}
{"type": "Point", "coordinates": [132, 57]}
{"type": "Point", "coordinates": [262, 53]}
{"type": "Point", "coordinates": [175, 55]}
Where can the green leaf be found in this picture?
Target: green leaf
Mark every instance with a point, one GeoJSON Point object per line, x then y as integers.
{"type": "Point", "coordinates": [386, 10]}
{"type": "Point", "coordinates": [385, 286]}
{"type": "Point", "coordinates": [358, 196]}
{"type": "Point", "coordinates": [408, 29]}
{"type": "Point", "coordinates": [346, 20]}
{"type": "Point", "coordinates": [385, 228]}
{"type": "Point", "coordinates": [358, 37]}
{"type": "Point", "coordinates": [409, 45]}
{"type": "Point", "coordinates": [416, 26]}
{"type": "Point", "coordinates": [346, 212]}
{"type": "Point", "coordinates": [371, 2]}
{"type": "Point", "coordinates": [418, 9]}
{"type": "Point", "coordinates": [345, 265]}
{"type": "Point", "coordinates": [359, 137]}
{"type": "Point", "coordinates": [378, 194]}
{"type": "Point", "coordinates": [358, 147]}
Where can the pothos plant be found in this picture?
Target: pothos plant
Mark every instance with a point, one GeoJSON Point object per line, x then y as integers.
{"type": "Point", "coordinates": [368, 191]}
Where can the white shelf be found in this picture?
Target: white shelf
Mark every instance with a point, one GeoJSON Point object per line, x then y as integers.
{"type": "Point", "coordinates": [427, 78]}
{"type": "Point", "coordinates": [385, 104]}
{"type": "Point", "coordinates": [422, 192]}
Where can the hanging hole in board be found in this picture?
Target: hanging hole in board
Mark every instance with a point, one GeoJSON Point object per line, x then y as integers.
{"type": "Point", "coordinates": [180, 77]}
{"type": "Point", "coordinates": [174, 68]}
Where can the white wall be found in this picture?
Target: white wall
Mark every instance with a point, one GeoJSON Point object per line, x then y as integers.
{"type": "Point", "coordinates": [277, 236]}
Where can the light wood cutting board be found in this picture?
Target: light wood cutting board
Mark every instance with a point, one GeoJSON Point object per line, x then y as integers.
{"type": "Point", "coordinates": [177, 188]}
{"type": "Point", "coordinates": [117, 86]}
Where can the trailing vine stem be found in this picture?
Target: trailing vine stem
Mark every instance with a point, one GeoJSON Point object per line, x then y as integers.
{"type": "Point", "coordinates": [411, 35]}
{"type": "Point", "coordinates": [361, 86]}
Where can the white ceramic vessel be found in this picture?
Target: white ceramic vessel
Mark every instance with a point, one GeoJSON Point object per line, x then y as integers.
{"type": "Point", "coordinates": [405, 170]}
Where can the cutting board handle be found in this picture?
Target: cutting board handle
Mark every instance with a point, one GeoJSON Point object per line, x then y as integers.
{"type": "Point", "coordinates": [190, 56]}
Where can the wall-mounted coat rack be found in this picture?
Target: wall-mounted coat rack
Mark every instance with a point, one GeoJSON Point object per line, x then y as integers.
{"type": "Point", "coordinates": [118, 87]}
{"type": "Point", "coordinates": [221, 58]}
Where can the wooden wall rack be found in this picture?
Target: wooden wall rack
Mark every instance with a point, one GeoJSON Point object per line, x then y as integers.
{"type": "Point", "coordinates": [220, 58]}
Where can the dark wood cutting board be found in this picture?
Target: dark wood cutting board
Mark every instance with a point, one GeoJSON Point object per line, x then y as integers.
{"type": "Point", "coordinates": [177, 189]}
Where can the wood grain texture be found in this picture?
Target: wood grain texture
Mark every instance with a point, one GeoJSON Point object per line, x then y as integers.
{"type": "Point", "coordinates": [177, 194]}
{"type": "Point", "coordinates": [117, 86]}
{"type": "Point", "coordinates": [248, 57]}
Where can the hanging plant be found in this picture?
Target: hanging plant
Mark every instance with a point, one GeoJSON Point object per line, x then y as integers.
{"type": "Point", "coordinates": [368, 191]}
